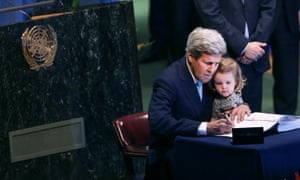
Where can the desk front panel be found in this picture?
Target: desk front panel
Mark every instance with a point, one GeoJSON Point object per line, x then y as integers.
{"type": "Point", "coordinates": [217, 158]}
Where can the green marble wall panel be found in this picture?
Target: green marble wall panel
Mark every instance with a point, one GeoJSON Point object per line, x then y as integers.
{"type": "Point", "coordinates": [94, 76]}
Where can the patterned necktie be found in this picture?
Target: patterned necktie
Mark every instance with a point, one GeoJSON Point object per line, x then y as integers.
{"type": "Point", "coordinates": [199, 88]}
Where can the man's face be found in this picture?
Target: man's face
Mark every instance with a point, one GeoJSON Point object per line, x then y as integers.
{"type": "Point", "coordinates": [205, 66]}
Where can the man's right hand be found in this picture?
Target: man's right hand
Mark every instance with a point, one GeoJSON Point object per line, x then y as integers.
{"type": "Point", "coordinates": [220, 126]}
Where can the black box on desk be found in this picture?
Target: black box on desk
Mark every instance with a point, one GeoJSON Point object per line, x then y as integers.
{"type": "Point", "coordinates": [253, 135]}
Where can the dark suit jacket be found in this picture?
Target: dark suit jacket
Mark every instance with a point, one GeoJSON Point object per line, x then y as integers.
{"type": "Point", "coordinates": [175, 107]}
{"type": "Point", "coordinates": [229, 16]}
{"type": "Point", "coordinates": [290, 12]}
{"type": "Point", "coordinates": [285, 51]}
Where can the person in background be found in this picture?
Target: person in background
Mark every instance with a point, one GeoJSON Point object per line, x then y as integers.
{"type": "Point", "coordinates": [182, 23]}
{"type": "Point", "coordinates": [181, 101]}
{"type": "Point", "coordinates": [285, 51]}
{"type": "Point", "coordinates": [246, 26]}
{"type": "Point", "coordinates": [160, 31]}
{"type": "Point", "coordinates": [170, 23]}
{"type": "Point", "coordinates": [228, 83]}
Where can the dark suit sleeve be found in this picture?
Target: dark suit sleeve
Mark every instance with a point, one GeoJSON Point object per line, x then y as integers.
{"type": "Point", "coordinates": [211, 16]}
{"type": "Point", "coordinates": [162, 120]}
{"type": "Point", "coordinates": [290, 12]}
{"type": "Point", "coordinates": [266, 20]}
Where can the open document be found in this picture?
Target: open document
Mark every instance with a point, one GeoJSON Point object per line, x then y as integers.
{"type": "Point", "coordinates": [268, 121]}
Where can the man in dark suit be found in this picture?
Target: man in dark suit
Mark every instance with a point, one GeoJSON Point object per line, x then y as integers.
{"type": "Point", "coordinates": [183, 21]}
{"type": "Point", "coordinates": [170, 22]}
{"type": "Point", "coordinates": [160, 31]}
{"type": "Point", "coordinates": [178, 108]}
{"type": "Point", "coordinates": [246, 26]}
{"type": "Point", "coordinates": [285, 51]}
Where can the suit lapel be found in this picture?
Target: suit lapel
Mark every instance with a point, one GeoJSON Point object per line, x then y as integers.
{"type": "Point", "coordinates": [189, 87]}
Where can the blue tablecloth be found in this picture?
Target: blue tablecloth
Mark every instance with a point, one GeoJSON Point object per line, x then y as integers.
{"type": "Point", "coordinates": [216, 158]}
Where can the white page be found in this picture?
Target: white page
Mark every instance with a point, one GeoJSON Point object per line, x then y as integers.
{"type": "Point", "coordinates": [257, 119]}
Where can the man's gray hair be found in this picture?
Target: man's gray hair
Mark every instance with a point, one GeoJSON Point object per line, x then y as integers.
{"type": "Point", "coordinates": [203, 40]}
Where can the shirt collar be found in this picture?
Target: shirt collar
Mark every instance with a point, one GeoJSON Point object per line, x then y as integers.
{"type": "Point", "coordinates": [190, 71]}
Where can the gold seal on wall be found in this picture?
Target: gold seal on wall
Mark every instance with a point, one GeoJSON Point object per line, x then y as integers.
{"type": "Point", "coordinates": [39, 46]}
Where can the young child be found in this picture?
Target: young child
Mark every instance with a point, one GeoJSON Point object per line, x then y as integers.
{"type": "Point", "coordinates": [228, 83]}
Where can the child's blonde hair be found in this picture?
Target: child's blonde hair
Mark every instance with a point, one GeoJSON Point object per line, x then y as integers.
{"type": "Point", "coordinates": [229, 65]}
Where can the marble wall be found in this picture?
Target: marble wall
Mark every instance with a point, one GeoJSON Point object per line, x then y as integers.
{"type": "Point", "coordinates": [94, 76]}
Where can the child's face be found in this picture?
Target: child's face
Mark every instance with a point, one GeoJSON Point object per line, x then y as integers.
{"type": "Point", "coordinates": [224, 83]}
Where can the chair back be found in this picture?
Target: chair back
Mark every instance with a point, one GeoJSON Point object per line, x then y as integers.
{"type": "Point", "coordinates": [133, 133]}
{"type": "Point", "coordinates": [297, 176]}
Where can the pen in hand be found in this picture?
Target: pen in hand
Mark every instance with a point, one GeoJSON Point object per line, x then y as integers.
{"type": "Point", "coordinates": [227, 116]}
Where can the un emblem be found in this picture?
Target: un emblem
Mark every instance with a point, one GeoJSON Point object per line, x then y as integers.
{"type": "Point", "coordinates": [39, 46]}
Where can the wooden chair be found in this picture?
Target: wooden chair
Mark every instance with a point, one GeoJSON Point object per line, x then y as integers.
{"type": "Point", "coordinates": [133, 135]}
{"type": "Point", "coordinates": [297, 176]}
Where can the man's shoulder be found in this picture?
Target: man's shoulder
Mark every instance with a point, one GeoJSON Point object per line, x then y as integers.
{"type": "Point", "coordinates": [174, 70]}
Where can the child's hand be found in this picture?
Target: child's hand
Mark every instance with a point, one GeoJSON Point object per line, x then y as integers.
{"type": "Point", "coordinates": [240, 112]}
